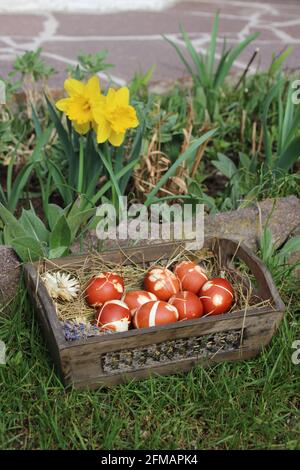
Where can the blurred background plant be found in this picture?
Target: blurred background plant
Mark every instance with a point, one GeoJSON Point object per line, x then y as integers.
{"type": "Point", "coordinates": [90, 64]}
{"type": "Point", "coordinates": [32, 74]}
{"type": "Point", "coordinates": [209, 75]}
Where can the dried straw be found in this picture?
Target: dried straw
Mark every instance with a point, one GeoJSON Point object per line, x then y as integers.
{"type": "Point", "coordinates": [133, 275]}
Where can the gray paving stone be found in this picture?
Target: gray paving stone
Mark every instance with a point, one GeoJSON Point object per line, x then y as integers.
{"type": "Point", "coordinates": [134, 38]}
{"type": "Point", "coordinates": [20, 25]}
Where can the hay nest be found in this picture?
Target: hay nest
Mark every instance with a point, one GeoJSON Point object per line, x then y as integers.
{"type": "Point", "coordinates": [133, 274]}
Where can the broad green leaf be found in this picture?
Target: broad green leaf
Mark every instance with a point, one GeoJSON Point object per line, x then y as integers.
{"type": "Point", "coordinates": [245, 161]}
{"type": "Point", "coordinates": [34, 226]}
{"type": "Point", "coordinates": [13, 224]}
{"type": "Point", "coordinates": [28, 248]}
{"type": "Point", "coordinates": [61, 234]}
{"type": "Point", "coordinates": [79, 219]}
{"type": "Point", "coordinates": [54, 214]}
{"type": "Point", "coordinates": [225, 165]}
{"type": "Point", "coordinates": [58, 252]}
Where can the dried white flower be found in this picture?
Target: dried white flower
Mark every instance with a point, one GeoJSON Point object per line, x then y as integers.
{"type": "Point", "coordinates": [61, 285]}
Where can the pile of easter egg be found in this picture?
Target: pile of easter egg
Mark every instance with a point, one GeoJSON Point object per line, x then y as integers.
{"type": "Point", "coordinates": [182, 294]}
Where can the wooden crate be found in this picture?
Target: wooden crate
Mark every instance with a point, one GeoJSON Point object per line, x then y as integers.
{"type": "Point", "coordinates": [136, 354]}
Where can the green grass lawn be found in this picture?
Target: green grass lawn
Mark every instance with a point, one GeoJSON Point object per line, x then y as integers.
{"type": "Point", "coordinates": [253, 404]}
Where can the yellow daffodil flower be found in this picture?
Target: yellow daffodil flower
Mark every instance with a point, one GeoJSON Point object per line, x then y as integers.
{"type": "Point", "coordinates": [114, 116]}
{"type": "Point", "coordinates": [83, 99]}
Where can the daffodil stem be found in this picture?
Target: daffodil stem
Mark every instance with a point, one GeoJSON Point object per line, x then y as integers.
{"type": "Point", "coordinates": [81, 161]}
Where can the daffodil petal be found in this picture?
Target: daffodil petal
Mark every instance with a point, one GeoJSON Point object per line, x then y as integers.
{"type": "Point", "coordinates": [116, 139]}
{"type": "Point", "coordinates": [98, 110]}
{"type": "Point", "coordinates": [103, 132]}
{"type": "Point", "coordinates": [124, 118]}
{"type": "Point", "coordinates": [110, 98]}
{"type": "Point", "coordinates": [76, 111]}
{"type": "Point", "coordinates": [134, 120]}
{"type": "Point", "coordinates": [74, 87]}
{"type": "Point", "coordinates": [122, 96]}
{"type": "Point", "coordinates": [93, 88]}
{"type": "Point", "coordinates": [63, 104]}
{"type": "Point", "coordinates": [81, 128]}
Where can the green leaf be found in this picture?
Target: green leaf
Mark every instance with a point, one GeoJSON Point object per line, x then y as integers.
{"type": "Point", "coordinates": [232, 56]}
{"type": "Point", "coordinates": [54, 214]}
{"type": "Point", "coordinates": [266, 244]}
{"type": "Point", "coordinates": [277, 63]}
{"type": "Point", "coordinates": [61, 234]}
{"type": "Point", "coordinates": [108, 166]}
{"type": "Point", "coordinates": [292, 127]}
{"type": "Point", "coordinates": [13, 224]}
{"type": "Point", "coordinates": [27, 248]}
{"type": "Point", "coordinates": [58, 252]}
{"type": "Point", "coordinates": [202, 76]}
{"type": "Point", "coordinates": [225, 165]}
{"type": "Point", "coordinates": [60, 182]}
{"type": "Point", "coordinates": [80, 219]}
{"type": "Point", "coordinates": [65, 141]}
{"type": "Point", "coordinates": [290, 155]}
{"type": "Point", "coordinates": [291, 246]}
{"type": "Point", "coordinates": [265, 110]}
{"type": "Point", "coordinates": [18, 186]}
{"type": "Point", "coordinates": [78, 216]}
{"type": "Point", "coordinates": [92, 165]}
{"type": "Point", "coordinates": [39, 145]}
{"type": "Point", "coordinates": [245, 161]}
{"type": "Point", "coordinates": [34, 226]}
{"type": "Point", "coordinates": [36, 122]}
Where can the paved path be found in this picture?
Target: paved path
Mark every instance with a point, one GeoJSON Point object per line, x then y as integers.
{"type": "Point", "coordinates": [134, 40]}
